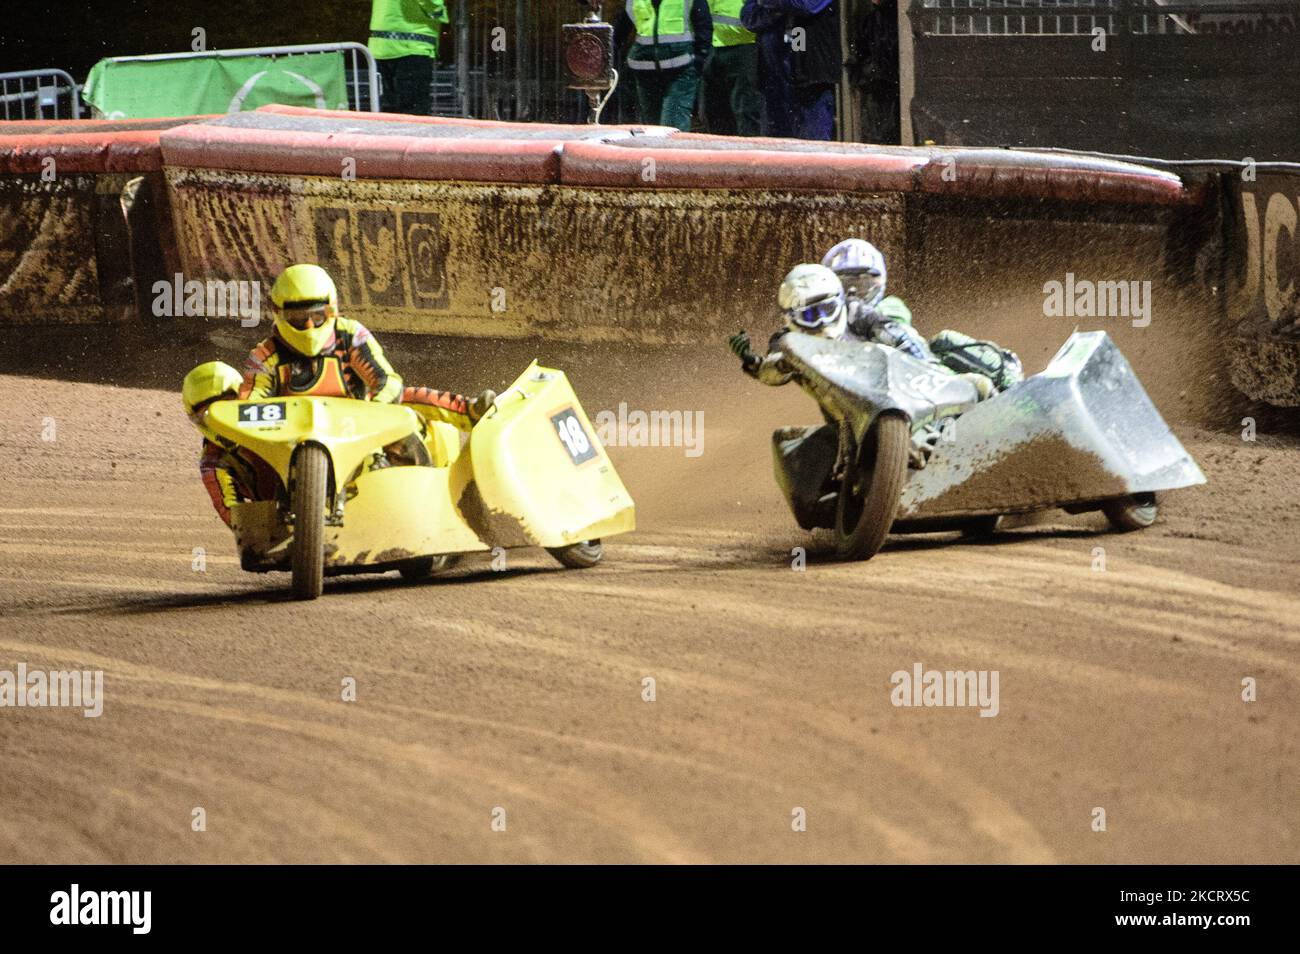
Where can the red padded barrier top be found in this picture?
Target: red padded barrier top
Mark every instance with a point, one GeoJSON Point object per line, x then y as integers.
{"type": "Point", "coordinates": [125, 151]}
{"type": "Point", "coordinates": [627, 165]}
{"type": "Point", "coordinates": [564, 128]}
{"type": "Point", "coordinates": [1010, 174]}
{"type": "Point", "coordinates": [376, 157]}
{"type": "Point", "coordinates": [695, 160]}
{"type": "Point", "coordinates": [294, 140]}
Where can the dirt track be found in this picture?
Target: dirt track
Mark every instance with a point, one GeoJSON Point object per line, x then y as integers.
{"type": "Point", "coordinates": [522, 689]}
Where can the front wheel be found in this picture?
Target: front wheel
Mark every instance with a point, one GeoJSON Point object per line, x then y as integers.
{"type": "Point", "coordinates": [579, 556]}
{"type": "Point", "coordinates": [1135, 512]}
{"type": "Point", "coordinates": [871, 489]}
{"type": "Point", "coordinates": [310, 482]}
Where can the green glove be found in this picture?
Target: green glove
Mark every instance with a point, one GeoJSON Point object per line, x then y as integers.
{"type": "Point", "coordinates": [739, 344]}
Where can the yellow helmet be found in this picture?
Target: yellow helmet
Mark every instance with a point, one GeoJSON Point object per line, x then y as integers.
{"type": "Point", "coordinates": [308, 295]}
{"type": "Point", "coordinates": [207, 382]}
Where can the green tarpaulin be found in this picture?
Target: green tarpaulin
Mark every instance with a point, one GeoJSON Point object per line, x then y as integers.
{"type": "Point", "coordinates": [138, 89]}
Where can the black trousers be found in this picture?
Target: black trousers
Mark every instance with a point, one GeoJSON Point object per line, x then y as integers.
{"type": "Point", "coordinates": [407, 85]}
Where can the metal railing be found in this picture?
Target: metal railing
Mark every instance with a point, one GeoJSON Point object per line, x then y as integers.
{"type": "Point", "coordinates": [39, 94]}
{"type": "Point", "coordinates": [1083, 17]}
{"type": "Point", "coordinates": [503, 59]}
{"type": "Point", "coordinates": [360, 72]}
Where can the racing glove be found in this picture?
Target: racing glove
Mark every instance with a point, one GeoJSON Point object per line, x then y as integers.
{"type": "Point", "coordinates": [739, 344]}
{"type": "Point", "coordinates": [481, 404]}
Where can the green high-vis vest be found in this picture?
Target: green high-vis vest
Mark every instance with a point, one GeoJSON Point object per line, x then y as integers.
{"type": "Point", "coordinates": [670, 23]}
{"type": "Point", "coordinates": [727, 30]}
{"type": "Point", "coordinates": [405, 27]}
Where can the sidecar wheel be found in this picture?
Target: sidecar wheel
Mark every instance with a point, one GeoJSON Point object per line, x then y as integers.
{"type": "Point", "coordinates": [310, 480]}
{"type": "Point", "coordinates": [421, 568]}
{"type": "Point", "coordinates": [871, 489]}
{"type": "Point", "coordinates": [579, 556]}
{"type": "Point", "coordinates": [1135, 512]}
{"type": "Point", "coordinates": [981, 528]}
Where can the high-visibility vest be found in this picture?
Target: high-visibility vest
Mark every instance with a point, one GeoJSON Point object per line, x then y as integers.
{"type": "Point", "coordinates": [670, 22]}
{"type": "Point", "coordinates": [727, 29]}
{"type": "Point", "coordinates": [405, 28]}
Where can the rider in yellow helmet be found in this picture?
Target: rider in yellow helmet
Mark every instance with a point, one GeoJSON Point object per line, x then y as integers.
{"type": "Point", "coordinates": [316, 351]}
{"type": "Point", "coordinates": [211, 381]}
{"type": "Point", "coordinates": [228, 474]}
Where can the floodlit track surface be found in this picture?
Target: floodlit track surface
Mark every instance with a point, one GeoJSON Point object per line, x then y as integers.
{"type": "Point", "coordinates": [522, 689]}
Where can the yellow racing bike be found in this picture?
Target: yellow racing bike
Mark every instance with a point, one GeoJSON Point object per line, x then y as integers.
{"type": "Point", "coordinates": [369, 487]}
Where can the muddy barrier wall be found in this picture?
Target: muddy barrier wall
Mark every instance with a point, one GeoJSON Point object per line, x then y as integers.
{"type": "Point", "coordinates": [575, 233]}
{"type": "Point", "coordinates": [83, 217]}
{"type": "Point", "coordinates": [1261, 280]}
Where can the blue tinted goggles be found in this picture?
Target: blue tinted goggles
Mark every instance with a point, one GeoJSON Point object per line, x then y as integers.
{"type": "Point", "coordinates": [817, 315]}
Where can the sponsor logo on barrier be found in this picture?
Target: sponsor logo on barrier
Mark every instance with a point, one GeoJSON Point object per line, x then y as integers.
{"type": "Point", "coordinates": [1228, 23]}
{"type": "Point", "coordinates": [1271, 216]}
{"type": "Point", "coordinates": [384, 258]}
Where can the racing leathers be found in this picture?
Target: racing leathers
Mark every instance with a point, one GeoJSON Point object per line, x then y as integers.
{"type": "Point", "coordinates": [353, 365]}
{"type": "Point", "coordinates": [232, 475]}
{"type": "Point", "coordinates": [889, 323]}
{"type": "Point", "coordinates": [966, 355]}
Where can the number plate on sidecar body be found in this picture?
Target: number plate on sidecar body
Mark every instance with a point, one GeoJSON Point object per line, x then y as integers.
{"type": "Point", "coordinates": [270, 413]}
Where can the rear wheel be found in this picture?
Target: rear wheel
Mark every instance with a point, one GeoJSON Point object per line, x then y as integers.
{"type": "Point", "coordinates": [871, 489]}
{"type": "Point", "coordinates": [579, 556]}
{"type": "Point", "coordinates": [1134, 512]}
{"type": "Point", "coordinates": [310, 480]}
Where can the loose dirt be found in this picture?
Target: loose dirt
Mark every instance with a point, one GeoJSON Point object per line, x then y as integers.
{"type": "Point", "coordinates": [525, 689]}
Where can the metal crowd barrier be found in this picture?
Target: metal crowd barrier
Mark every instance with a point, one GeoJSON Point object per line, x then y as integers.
{"type": "Point", "coordinates": [39, 94]}
{"type": "Point", "coordinates": [1082, 17]}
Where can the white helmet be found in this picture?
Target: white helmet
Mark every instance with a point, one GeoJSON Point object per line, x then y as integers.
{"type": "Point", "coordinates": [860, 267]}
{"type": "Point", "coordinates": [812, 300]}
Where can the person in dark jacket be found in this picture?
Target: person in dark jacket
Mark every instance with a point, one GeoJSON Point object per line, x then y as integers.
{"type": "Point", "coordinates": [799, 63]}
{"type": "Point", "coordinates": [673, 41]}
{"type": "Point", "coordinates": [816, 62]}
{"type": "Point", "coordinates": [767, 23]}
{"type": "Point", "coordinates": [874, 70]}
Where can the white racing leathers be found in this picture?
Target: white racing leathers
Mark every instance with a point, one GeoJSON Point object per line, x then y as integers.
{"type": "Point", "coordinates": [990, 367]}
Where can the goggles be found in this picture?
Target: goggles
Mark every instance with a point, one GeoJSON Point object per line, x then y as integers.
{"type": "Point", "coordinates": [817, 315]}
{"type": "Point", "coordinates": [304, 316]}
